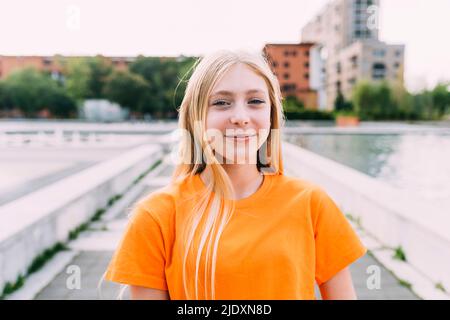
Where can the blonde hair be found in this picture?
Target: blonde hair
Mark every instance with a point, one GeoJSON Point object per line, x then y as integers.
{"type": "Point", "coordinates": [194, 150]}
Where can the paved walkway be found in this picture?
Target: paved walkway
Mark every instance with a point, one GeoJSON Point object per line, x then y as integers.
{"type": "Point", "coordinates": [95, 248]}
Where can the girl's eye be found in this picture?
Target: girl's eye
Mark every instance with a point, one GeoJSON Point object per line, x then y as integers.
{"type": "Point", "coordinates": [219, 103]}
{"type": "Point", "coordinates": [222, 102]}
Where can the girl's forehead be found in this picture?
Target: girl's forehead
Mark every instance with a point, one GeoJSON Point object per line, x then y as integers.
{"type": "Point", "coordinates": [239, 91]}
{"type": "Point", "coordinates": [240, 79]}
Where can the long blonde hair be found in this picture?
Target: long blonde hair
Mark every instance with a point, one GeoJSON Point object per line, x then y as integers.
{"type": "Point", "coordinates": [194, 150]}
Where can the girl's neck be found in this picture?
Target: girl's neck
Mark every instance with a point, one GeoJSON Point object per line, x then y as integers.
{"type": "Point", "coordinates": [246, 179]}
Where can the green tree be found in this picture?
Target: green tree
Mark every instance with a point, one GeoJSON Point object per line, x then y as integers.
{"type": "Point", "coordinates": [292, 104]}
{"type": "Point", "coordinates": [78, 75]}
{"type": "Point", "coordinates": [340, 104]}
{"type": "Point", "coordinates": [129, 90]}
{"type": "Point", "coordinates": [440, 97]}
{"type": "Point", "coordinates": [364, 99]}
{"type": "Point", "coordinates": [404, 102]}
{"type": "Point", "coordinates": [384, 103]}
{"type": "Point", "coordinates": [99, 70]}
{"type": "Point", "coordinates": [150, 69]}
{"type": "Point", "coordinates": [60, 104]}
{"type": "Point", "coordinates": [32, 91]}
{"type": "Point", "coordinates": [374, 101]}
{"type": "Point", "coordinates": [6, 103]}
{"type": "Point", "coordinates": [167, 78]}
{"type": "Point", "coordinates": [185, 69]}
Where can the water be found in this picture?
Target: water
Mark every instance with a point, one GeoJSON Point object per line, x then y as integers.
{"type": "Point", "coordinates": [417, 163]}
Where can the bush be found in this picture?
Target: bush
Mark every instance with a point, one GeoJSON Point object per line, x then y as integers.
{"type": "Point", "coordinates": [32, 91]}
{"type": "Point", "coordinates": [309, 115]}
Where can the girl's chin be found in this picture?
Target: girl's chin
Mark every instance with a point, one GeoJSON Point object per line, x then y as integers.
{"type": "Point", "coordinates": [237, 160]}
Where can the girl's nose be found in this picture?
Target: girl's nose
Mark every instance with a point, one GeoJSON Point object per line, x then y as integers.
{"type": "Point", "coordinates": [240, 116]}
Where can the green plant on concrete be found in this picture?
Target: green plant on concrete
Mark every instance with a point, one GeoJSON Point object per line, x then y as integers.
{"type": "Point", "coordinates": [440, 286]}
{"type": "Point", "coordinates": [112, 200]}
{"type": "Point", "coordinates": [399, 254]}
{"type": "Point", "coordinates": [74, 233]}
{"type": "Point", "coordinates": [356, 220]}
{"type": "Point", "coordinates": [35, 265]}
{"type": "Point", "coordinates": [45, 256]}
{"type": "Point", "coordinates": [142, 175]}
{"type": "Point", "coordinates": [41, 259]}
{"type": "Point", "coordinates": [98, 214]}
{"type": "Point", "coordinates": [405, 283]}
{"type": "Point", "coordinates": [11, 287]}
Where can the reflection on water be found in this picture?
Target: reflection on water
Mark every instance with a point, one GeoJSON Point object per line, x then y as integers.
{"type": "Point", "coordinates": [417, 163]}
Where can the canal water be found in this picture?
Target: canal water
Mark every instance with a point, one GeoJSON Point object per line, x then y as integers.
{"type": "Point", "coordinates": [418, 163]}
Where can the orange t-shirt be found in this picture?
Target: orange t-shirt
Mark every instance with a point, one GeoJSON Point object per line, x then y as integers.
{"type": "Point", "coordinates": [282, 239]}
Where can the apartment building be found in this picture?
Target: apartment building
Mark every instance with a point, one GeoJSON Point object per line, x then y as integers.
{"type": "Point", "coordinates": [348, 49]}
{"type": "Point", "coordinates": [291, 64]}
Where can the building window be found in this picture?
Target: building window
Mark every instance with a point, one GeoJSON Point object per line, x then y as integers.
{"type": "Point", "coordinates": [307, 53]}
{"type": "Point", "coordinates": [286, 76]}
{"type": "Point", "coordinates": [286, 64]}
{"type": "Point", "coordinates": [354, 61]}
{"type": "Point", "coordinates": [378, 71]}
{"type": "Point", "coordinates": [286, 53]}
{"type": "Point", "coordinates": [288, 87]}
{"type": "Point", "coordinates": [396, 65]}
{"type": "Point", "coordinates": [275, 64]}
{"type": "Point", "coordinates": [294, 53]}
{"type": "Point", "coordinates": [338, 67]}
{"type": "Point", "coordinates": [306, 75]}
{"type": "Point", "coordinates": [398, 53]}
{"type": "Point", "coordinates": [379, 53]}
{"type": "Point", "coordinates": [306, 64]}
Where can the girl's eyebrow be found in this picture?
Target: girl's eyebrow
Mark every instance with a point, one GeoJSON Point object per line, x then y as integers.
{"type": "Point", "coordinates": [229, 93]}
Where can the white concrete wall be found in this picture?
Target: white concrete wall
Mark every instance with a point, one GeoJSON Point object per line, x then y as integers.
{"type": "Point", "coordinates": [37, 221]}
{"type": "Point", "coordinates": [391, 215]}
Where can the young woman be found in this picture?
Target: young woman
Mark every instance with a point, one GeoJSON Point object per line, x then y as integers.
{"type": "Point", "coordinates": [231, 225]}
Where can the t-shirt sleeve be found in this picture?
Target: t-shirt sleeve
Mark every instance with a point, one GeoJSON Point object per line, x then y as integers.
{"type": "Point", "coordinates": [140, 256]}
{"type": "Point", "coordinates": [336, 243]}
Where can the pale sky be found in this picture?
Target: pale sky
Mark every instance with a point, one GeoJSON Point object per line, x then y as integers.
{"type": "Point", "coordinates": [196, 27]}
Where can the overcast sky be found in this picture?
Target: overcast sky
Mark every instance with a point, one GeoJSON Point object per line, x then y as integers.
{"type": "Point", "coordinates": [196, 27]}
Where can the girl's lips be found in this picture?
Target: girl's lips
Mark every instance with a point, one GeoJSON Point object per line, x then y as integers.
{"type": "Point", "coordinates": [240, 138]}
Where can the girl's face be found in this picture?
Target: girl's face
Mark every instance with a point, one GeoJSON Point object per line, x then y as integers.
{"type": "Point", "coordinates": [238, 115]}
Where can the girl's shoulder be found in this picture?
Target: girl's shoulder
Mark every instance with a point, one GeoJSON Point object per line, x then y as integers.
{"type": "Point", "coordinates": [289, 184]}
{"type": "Point", "coordinates": [161, 202]}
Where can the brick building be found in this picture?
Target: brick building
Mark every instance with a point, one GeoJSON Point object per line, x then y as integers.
{"type": "Point", "coordinates": [291, 64]}
{"type": "Point", "coordinates": [52, 64]}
